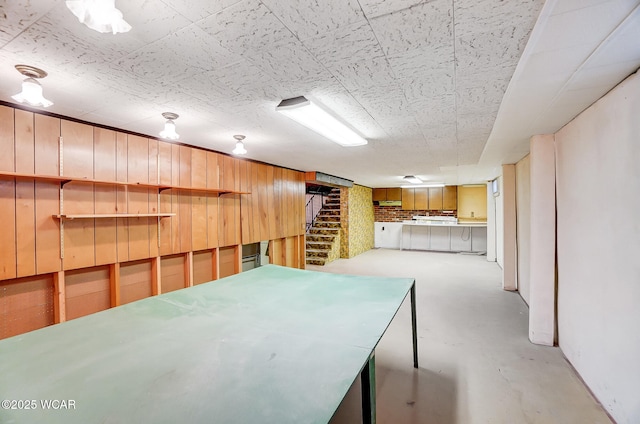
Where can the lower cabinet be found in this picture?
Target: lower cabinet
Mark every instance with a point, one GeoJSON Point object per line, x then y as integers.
{"type": "Point", "coordinates": [444, 238]}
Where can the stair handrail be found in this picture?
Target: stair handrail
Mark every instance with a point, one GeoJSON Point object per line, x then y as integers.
{"type": "Point", "coordinates": [314, 215]}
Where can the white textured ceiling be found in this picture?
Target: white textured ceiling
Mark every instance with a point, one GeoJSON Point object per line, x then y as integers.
{"type": "Point", "coordinates": [423, 81]}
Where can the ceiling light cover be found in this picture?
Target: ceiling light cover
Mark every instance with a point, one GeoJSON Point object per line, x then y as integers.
{"type": "Point", "coordinates": [99, 15]}
{"type": "Point", "coordinates": [239, 150]}
{"type": "Point", "coordinates": [31, 93]}
{"type": "Point", "coordinates": [316, 119]}
{"type": "Point", "coordinates": [423, 185]}
{"type": "Point", "coordinates": [412, 179]}
{"type": "Point", "coordinates": [169, 131]}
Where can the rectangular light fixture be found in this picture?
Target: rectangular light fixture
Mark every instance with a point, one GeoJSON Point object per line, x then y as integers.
{"type": "Point", "coordinates": [412, 179]}
{"type": "Point", "coordinates": [422, 185]}
{"type": "Point", "coordinates": [301, 110]}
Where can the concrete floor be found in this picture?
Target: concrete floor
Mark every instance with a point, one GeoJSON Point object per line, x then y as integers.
{"type": "Point", "coordinates": [476, 362]}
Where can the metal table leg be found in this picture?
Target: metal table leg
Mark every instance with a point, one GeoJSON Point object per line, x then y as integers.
{"type": "Point", "coordinates": [414, 325]}
{"type": "Point", "coordinates": [368, 384]}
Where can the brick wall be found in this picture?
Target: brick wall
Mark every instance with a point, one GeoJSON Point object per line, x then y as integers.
{"type": "Point", "coordinates": [397, 214]}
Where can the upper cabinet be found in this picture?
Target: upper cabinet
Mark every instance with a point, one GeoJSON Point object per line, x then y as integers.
{"type": "Point", "coordinates": [450, 198]}
{"type": "Point", "coordinates": [408, 202]}
{"type": "Point", "coordinates": [430, 198]}
{"type": "Point", "coordinates": [387, 194]}
{"type": "Point", "coordinates": [379, 194]}
{"type": "Point", "coordinates": [420, 198]}
{"type": "Point", "coordinates": [435, 198]}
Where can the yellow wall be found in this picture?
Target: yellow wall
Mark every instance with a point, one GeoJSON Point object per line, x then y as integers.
{"type": "Point", "coordinates": [472, 199]}
{"type": "Point", "coordinates": [357, 229]}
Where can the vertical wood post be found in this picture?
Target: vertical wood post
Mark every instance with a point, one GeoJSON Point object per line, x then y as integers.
{"type": "Point", "coordinates": [59, 298]}
{"type": "Point", "coordinates": [114, 282]}
{"type": "Point", "coordinates": [155, 276]}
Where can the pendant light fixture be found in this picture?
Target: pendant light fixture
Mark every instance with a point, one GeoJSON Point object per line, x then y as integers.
{"type": "Point", "coordinates": [169, 131]}
{"type": "Point", "coordinates": [239, 150]}
{"type": "Point", "coordinates": [31, 89]}
{"type": "Point", "coordinates": [99, 15]}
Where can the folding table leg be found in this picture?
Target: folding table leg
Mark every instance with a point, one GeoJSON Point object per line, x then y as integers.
{"type": "Point", "coordinates": [414, 325]}
{"type": "Point", "coordinates": [368, 383]}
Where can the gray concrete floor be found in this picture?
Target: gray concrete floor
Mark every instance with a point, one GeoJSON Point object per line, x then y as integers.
{"type": "Point", "coordinates": [476, 362]}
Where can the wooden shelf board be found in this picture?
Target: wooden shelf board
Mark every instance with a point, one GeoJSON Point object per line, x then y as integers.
{"type": "Point", "coordinates": [114, 215]}
{"type": "Point", "coordinates": [65, 180]}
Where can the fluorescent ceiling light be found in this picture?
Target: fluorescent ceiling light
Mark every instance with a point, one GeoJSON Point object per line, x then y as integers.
{"type": "Point", "coordinates": [423, 185]}
{"type": "Point", "coordinates": [316, 119]}
{"type": "Point", "coordinates": [239, 150]}
{"type": "Point", "coordinates": [31, 93]}
{"type": "Point", "coordinates": [99, 15]}
{"type": "Point", "coordinates": [169, 131]}
{"type": "Point", "coordinates": [411, 179]}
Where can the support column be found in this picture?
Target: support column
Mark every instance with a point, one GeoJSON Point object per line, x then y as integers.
{"type": "Point", "coordinates": [509, 266]}
{"type": "Point", "coordinates": [542, 313]}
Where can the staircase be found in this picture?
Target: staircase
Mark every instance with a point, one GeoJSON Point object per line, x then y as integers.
{"type": "Point", "coordinates": [324, 231]}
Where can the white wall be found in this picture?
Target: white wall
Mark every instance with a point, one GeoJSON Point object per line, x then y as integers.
{"type": "Point", "coordinates": [499, 225]}
{"type": "Point", "coordinates": [542, 243]}
{"type": "Point", "coordinates": [598, 237]}
{"type": "Point", "coordinates": [387, 235]}
{"type": "Point", "coordinates": [523, 224]}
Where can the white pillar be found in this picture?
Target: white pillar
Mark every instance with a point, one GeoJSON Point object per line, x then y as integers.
{"type": "Point", "coordinates": [542, 314]}
{"type": "Point", "coordinates": [509, 266]}
{"type": "Point", "coordinates": [491, 224]}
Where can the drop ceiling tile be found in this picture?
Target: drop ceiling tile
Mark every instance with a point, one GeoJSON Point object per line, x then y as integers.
{"type": "Point", "coordinates": [244, 78]}
{"type": "Point", "coordinates": [178, 56]}
{"type": "Point", "coordinates": [427, 24]}
{"type": "Point", "coordinates": [423, 59]}
{"type": "Point", "coordinates": [246, 28]}
{"type": "Point", "coordinates": [444, 134]}
{"type": "Point", "coordinates": [374, 8]}
{"type": "Point", "coordinates": [475, 124]}
{"type": "Point", "coordinates": [473, 16]}
{"type": "Point", "coordinates": [469, 153]}
{"type": "Point", "coordinates": [149, 21]}
{"type": "Point", "coordinates": [352, 55]}
{"type": "Point", "coordinates": [17, 16]}
{"type": "Point", "coordinates": [58, 39]}
{"type": "Point", "coordinates": [481, 99]}
{"type": "Point", "coordinates": [494, 52]}
{"type": "Point", "coordinates": [290, 63]}
{"type": "Point", "coordinates": [308, 19]}
{"type": "Point", "coordinates": [196, 10]}
{"type": "Point", "coordinates": [434, 111]}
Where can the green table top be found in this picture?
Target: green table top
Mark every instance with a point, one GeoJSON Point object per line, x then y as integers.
{"type": "Point", "coordinates": [270, 345]}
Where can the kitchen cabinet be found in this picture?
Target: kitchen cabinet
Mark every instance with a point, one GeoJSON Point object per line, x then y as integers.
{"type": "Point", "coordinates": [421, 198]}
{"type": "Point", "coordinates": [450, 198]}
{"type": "Point", "coordinates": [435, 198]}
{"type": "Point", "coordinates": [394, 194]}
{"type": "Point", "coordinates": [408, 202]}
{"type": "Point", "coordinates": [379, 194]}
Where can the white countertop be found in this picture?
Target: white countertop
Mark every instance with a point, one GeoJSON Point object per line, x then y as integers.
{"type": "Point", "coordinates": [444, 224]}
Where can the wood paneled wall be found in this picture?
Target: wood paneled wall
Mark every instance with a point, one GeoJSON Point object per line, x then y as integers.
{"type": "Point", "coordinates": [112, 256]}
